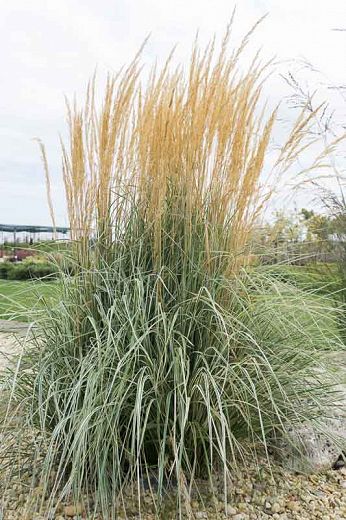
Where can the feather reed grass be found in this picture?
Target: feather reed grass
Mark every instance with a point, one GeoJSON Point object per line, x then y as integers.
{"type": "Point", "coordinates": [166, 356]}
{"type": "Point", "coordinates": [186, 149]}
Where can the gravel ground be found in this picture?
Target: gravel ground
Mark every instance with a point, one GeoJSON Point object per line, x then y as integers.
{"type": "Point", "coordinates": [8, 347]}
{"type": "Point", "coordinates": [9, 330]}
{"type": "Point", "coordinates": [252, 495]}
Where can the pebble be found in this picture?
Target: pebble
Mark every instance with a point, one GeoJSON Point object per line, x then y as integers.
{"type": "Point", "coordinates": [292, 505]}
{"type": "Point", "coordinates": [230, 510]}
{"type": "Point", "coordinates": [73, 510]}
{"type": "Point", "coordinates": [276, 508]}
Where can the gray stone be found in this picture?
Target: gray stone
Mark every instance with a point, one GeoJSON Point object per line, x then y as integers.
{"type": "Point", "coordinates": [315, 448]}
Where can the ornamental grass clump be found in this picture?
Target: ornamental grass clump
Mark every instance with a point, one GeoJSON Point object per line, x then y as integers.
{"type": "Point", "coordinates": [168, 356]}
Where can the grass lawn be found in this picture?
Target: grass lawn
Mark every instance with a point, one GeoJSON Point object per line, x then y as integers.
{"type": "Point", "coordinates": [18, 298]}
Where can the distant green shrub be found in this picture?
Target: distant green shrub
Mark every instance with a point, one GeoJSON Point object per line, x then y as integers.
{"type": "Point", "coordinates": [18, 272]}
{"type": "Point", "coordinates": [42, 271]}
{"type": "Point", "coordinates": [27, 271]}
{"type": "Point", "coordinates": [5, 269]}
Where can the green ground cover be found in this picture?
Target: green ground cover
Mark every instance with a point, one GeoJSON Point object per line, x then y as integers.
{"type": "Point", "coordinates": [19, 298]}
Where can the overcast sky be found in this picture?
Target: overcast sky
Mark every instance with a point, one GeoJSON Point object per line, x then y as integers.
{"type": "Point", "coordinates": [49, 48]}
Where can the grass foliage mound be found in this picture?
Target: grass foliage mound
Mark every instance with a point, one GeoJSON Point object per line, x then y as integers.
{"type": "Point", "coordinates": [167, 353]}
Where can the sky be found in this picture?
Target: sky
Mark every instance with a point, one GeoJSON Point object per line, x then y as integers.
{"type": "Point", "coordinates": [50, 48]}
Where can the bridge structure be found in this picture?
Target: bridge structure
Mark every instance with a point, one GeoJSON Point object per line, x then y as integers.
{"type": "Point", "coordinates": [23, 233]}
{"type": "Point", "coordinates": [14, 237]}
